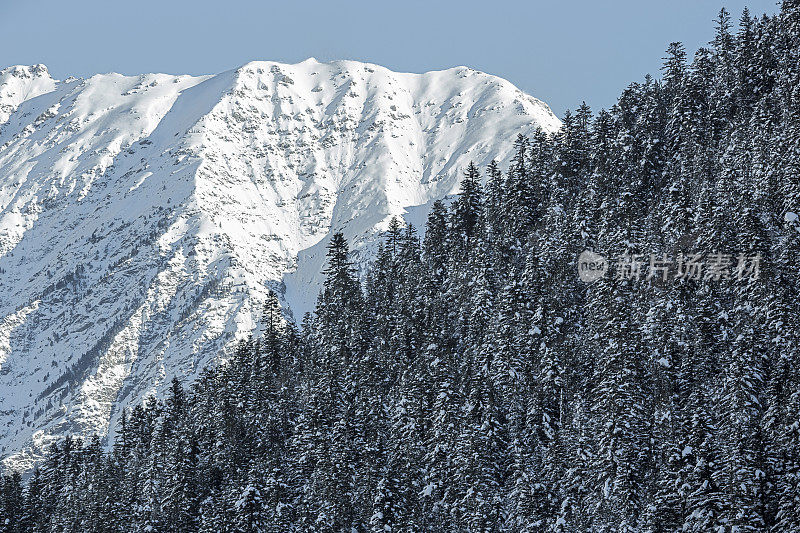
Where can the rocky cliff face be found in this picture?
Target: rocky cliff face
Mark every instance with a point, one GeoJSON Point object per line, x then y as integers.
{"type": "Point", "coordinates": [142, 218]}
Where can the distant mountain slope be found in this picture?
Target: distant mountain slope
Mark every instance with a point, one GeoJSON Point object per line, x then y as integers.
{"type": "Point", "coordinates": [142, 218]}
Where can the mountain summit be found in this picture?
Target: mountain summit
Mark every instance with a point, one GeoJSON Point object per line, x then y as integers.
{"type": "Point", "coordinates": [142, 218]}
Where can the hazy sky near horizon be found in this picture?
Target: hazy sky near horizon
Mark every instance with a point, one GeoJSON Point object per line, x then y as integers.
{"type": "Point", "coordinates": [562, 52]}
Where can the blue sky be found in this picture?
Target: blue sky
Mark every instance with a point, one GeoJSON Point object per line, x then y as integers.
{"type": "Point", "coordinates": [562, 52]}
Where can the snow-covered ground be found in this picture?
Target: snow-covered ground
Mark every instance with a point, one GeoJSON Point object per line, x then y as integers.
{"type": "Point", "coordinates": [142, 218]}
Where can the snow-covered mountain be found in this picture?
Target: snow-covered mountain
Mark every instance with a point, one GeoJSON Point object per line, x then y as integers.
{"type": "Point", "coordinates": [142, 218]}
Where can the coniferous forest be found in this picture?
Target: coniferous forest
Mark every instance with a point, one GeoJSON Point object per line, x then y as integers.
{"type": "Point", "coordinates": [473, 382]}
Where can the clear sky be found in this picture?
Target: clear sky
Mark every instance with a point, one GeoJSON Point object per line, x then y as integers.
{"type": "Point", "coordinates": [561, 51]}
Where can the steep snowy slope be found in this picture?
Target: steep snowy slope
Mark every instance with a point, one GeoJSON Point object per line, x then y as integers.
{"type": "Point", "coordinates": [142, 218]}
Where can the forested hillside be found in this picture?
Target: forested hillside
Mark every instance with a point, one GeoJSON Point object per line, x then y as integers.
{"type": "Point", "coordinates": [475, 383]}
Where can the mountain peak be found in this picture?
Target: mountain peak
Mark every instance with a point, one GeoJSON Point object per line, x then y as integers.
{"type": "Point", "coordinates": [19, 83]}
{"type": "Point", "coordinates": [168, 205]}
{"type": "Point", "coordinates": [26, 70]}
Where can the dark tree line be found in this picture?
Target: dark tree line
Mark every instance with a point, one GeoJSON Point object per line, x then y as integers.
{"type": "Point", "coordinates": [474, 383]}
